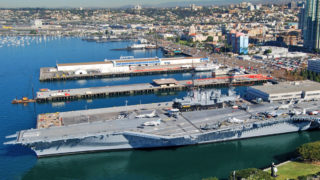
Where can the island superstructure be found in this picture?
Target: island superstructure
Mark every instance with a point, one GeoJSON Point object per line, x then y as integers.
{"type": "Point", "coordinates": [160, 125]}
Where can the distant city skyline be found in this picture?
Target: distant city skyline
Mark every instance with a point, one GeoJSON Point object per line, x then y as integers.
{"type": "Point", "coordinates": [80, 3]}
{"type": "Point", "coordinates": [111, 3]}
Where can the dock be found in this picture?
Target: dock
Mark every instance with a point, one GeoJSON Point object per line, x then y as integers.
{"type": "Point", "coordinates": [125, 66]}
{"type": "Point", "coordinates": [157, 86]}
{"type": "Point", "coordinates": [46, 75]}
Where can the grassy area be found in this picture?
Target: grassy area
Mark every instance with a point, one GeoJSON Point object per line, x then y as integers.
{"type": "Point", "coordinates": [183, 42]}
{"type": "Point", "coordinates": [294, 169]}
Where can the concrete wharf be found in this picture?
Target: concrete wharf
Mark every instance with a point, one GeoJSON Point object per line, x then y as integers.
{"type": "Point", "coordinates": [46, 75]}
{"type": "Point", "coordinates": [125, 66]}
{"type": "Point", "coordinates": [148, 88]}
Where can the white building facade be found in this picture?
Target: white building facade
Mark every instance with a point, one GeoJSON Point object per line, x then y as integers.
{"type": "Point", "coordinates": [110, 66]}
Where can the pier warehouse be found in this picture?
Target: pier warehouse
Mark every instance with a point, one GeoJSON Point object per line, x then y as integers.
{"type": "Point", "coordinates": [165, 82]}
{"type": "Point", "coordinates": [306, 90]}
{"type": "Point", "coordinates": [121, 65]}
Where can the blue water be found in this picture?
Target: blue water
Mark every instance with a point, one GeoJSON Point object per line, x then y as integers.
{"type": "Point", "coordinates": [19, 71]}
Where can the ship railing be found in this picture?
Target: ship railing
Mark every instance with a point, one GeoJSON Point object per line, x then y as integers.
{"type": "Point", "coordinates": [62, 137]}
{"type": "Point", "coordinates": [305, 118]}
{"type": "Point", "coordinates": [145, 135]}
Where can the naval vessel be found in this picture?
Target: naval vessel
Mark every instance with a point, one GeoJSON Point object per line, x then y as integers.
{"type": "Point", "coordinates": [204, 116]}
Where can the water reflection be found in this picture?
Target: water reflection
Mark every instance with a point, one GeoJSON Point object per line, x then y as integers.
{"type": "Point", "coordinates": [81, 82]}
{"type": "Point", "coordinates": [58, 104]}
{"type": "Point", "coordinates": [115, 79]}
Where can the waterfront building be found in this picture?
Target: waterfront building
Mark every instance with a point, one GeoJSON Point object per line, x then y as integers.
{"type": "Point", "coordinates": [124, 65]}
{"type": "Point", "coordinates": [311, 25]}
{"type": "Point", "coordinates": [314, 65]}
{"type": "Point", "coordinates": [306, 90]}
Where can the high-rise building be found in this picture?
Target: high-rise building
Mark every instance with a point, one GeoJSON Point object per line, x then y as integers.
{"type": "Point", "coordinates": [242, 43]}
{"type": "Point", "coordinates": [311, 25]}
{"type": "Point", "coordinates": [292, 5]}
{"type": "Point", "coordinates": [301, 19]}
{"type": "Point", "coordinates": [238, 41]}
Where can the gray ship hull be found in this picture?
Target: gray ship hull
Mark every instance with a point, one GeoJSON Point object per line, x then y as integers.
{"type": "Point", "coordinates": [136, 140]}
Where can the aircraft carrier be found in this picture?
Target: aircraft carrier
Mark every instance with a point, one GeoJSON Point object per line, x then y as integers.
{"type": "Point", "coordinates": [204, 116]}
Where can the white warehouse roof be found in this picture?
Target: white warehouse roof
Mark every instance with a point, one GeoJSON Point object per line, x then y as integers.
{"type": "Point", "coordinates": [287, 87]}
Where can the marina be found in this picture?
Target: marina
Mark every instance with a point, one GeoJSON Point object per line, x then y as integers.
{"type": "Point", "coordinates": [23, 41]}
{"type": "Point", "coordinates": [157, 86]}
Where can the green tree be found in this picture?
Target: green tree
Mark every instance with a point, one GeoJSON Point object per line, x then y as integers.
{"type": "Point", "coordinates": [209, 39]}
{"type": "Point", "coordinates": [252, 174]}
{"type": "Point", "coordinates": [177, 39]}
{"type": "Point", "coordinates": [169, 38]}
{"type": "Point", "coordinates": [228, 48]}
{"type": "Point", "coordinates": [310, 176]}
{"type": "Point", "coordinates": [33, 32]}
{"type": "Point", "coordinates": [310, 151]}
{"type": "Point", "coordinates": [267, 51]}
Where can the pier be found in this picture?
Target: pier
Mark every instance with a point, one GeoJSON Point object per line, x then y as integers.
{"type": "Point", "coordinates": [46, 75]}
{"type": "Point", "coordinates": [157, 86]}
{"type": "Point", "coordinates": [125, 66]}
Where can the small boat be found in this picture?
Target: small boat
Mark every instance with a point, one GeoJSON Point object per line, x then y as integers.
{"type": "Point", "coordinates": [207, 67]}
{"type": "Point", "coordinates": [23, 100]}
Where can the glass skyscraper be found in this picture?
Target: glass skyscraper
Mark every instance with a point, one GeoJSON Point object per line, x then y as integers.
{"type": "Point", "coordinates": [311, 26]}
{"type": "Point", "coordinates": [239, 42]}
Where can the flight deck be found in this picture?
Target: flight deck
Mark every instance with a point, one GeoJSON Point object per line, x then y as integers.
{"type": "Point", "coordinates": [126, 118]}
